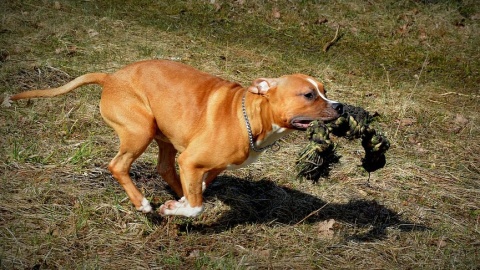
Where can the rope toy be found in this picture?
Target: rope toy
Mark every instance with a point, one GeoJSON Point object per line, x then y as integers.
{"type": "Point", "coordinates": [314, 161]}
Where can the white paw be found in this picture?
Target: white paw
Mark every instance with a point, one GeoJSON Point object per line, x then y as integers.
{"type": "Point", "coordinates": [7, 102]}
{"type": "Point", "coordinates": [146, 207]}
{"type": "Point", "coordinates": [179, 208]}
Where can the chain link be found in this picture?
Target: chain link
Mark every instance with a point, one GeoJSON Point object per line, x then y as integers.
{"type": "Point", "coordinates": [249, 130]}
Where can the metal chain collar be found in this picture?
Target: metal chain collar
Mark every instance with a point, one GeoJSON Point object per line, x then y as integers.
{"type": "Point", "coordinates": [249, 130]}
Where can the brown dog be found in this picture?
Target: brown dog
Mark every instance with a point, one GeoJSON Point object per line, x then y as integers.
{"type": "Point", "coordinates": [214, 124]}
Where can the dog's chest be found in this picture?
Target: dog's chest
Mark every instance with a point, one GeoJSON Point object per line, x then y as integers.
{"type": "Point", "coordinates": [252, 157]}
{"type": "Point", "coordinates": [275, 134]}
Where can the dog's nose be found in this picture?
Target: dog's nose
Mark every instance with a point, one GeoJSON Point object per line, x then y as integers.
{"type": "Point", "coordinates": [338, 107]}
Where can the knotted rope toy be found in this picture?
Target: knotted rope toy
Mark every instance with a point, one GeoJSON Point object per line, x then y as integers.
{"type": "Point", "coordinates": [314, 161]}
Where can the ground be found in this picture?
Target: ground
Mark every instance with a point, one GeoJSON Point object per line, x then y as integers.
{"type": "Point", "coordinates": [415, 63]}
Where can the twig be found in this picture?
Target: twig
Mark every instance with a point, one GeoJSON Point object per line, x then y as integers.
{"type": "Point", "coordinates": [331, 42]}
{"type": "Point", "coordinates": [436, 101]}
{"type": "Point", "coordinates": [240, 264]}
{"type": "Point", "coordinates": [459, 94]}
{"type": "Point", "coordinates": [311, 214]}
{"type": "Point", "coordinates": [424, 65]}
{"type": "Point", "coordinates": [59, 70]}
{"type": "Point", "coordinates": [388, 77]}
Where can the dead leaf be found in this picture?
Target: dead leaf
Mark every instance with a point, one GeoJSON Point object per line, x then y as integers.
{"type": "Point", "coordinates": [422, 35]}
{"type": "Point", "coordinates": [217, 5]}
{"type": "Point", "coordinates": [440, 243]}
{"type": "Point", "coordinates": [321, 20]}
{"type": "Point", "coordinates": [460, 120]}
{"type": "Point", "coordinates": [325, 228]}
{"type": "Point", "coordinates": [403, 30]}
{"type": "Point", "coordinates": [276, 13]}
{"type": "Point", "coordinates": [264, 253]}
{"type": "Point", "coordinates": [413, 140]}
{"type": "Point", "coordinates": [459, 123]}
{"type": "Point", "coordinates": [475, 16]}
{"type": "Point", "coordinates": [72, 49]}
{"type": "Point", "coordinates": [40, 25]}
{"type": "Point", "coordinates": [405, 122]}
{"type": "Point", "coordinates": [194, 253]}
{"type": "Point", "coordinates": [92, 33]}
{"type": "Point", "coordinates": [57, 5]}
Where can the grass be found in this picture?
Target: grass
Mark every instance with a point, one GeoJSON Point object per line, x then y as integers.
{"type": "Point", "coordinates": [414, 62]}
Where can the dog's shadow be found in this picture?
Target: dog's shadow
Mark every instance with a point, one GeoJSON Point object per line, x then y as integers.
{"type": "Point", "coordinates": [265, 202]}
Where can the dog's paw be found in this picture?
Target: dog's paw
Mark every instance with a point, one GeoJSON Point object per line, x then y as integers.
{"type": "Point", "coordinates": [179, 208]}
{"type": "Point", "coordinates": [169, 206]}
{"type": "Point", "coordinates": [7, 102]}
{"type": "Point", "coordinates": [145, 207]}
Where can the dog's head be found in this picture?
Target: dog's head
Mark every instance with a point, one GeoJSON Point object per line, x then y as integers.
{"type": "Point", "coordinates": [297, 100]}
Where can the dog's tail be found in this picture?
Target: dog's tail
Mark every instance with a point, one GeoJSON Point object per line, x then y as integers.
{"type": "Point", "coordinates": [90, 78]}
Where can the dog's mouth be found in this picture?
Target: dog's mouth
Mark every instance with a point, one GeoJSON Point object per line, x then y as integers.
{"type": "Point", "coordinates": [302, 123]}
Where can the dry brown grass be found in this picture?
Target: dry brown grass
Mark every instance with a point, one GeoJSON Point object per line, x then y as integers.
{"type": "Point", "coordinates": [415, 62]}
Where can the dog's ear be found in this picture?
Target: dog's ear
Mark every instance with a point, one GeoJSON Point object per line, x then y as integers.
{"type": "Point", "coordinates": [262, 85]}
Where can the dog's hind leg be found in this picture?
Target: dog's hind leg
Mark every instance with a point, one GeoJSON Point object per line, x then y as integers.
{"type": "Point", "coordinates": [131, 147]}
{"type": "Point", "coordinates": [136, 129]}
{"type": "Point", "coordinates": [166, 166]}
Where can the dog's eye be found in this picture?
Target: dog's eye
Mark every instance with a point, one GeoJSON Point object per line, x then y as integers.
{"type": "Point", "coordinates": [309, 95]}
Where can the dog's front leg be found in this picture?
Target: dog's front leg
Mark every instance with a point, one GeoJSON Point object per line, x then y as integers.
{"type": "Point", "coordinates": [191, 205]}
